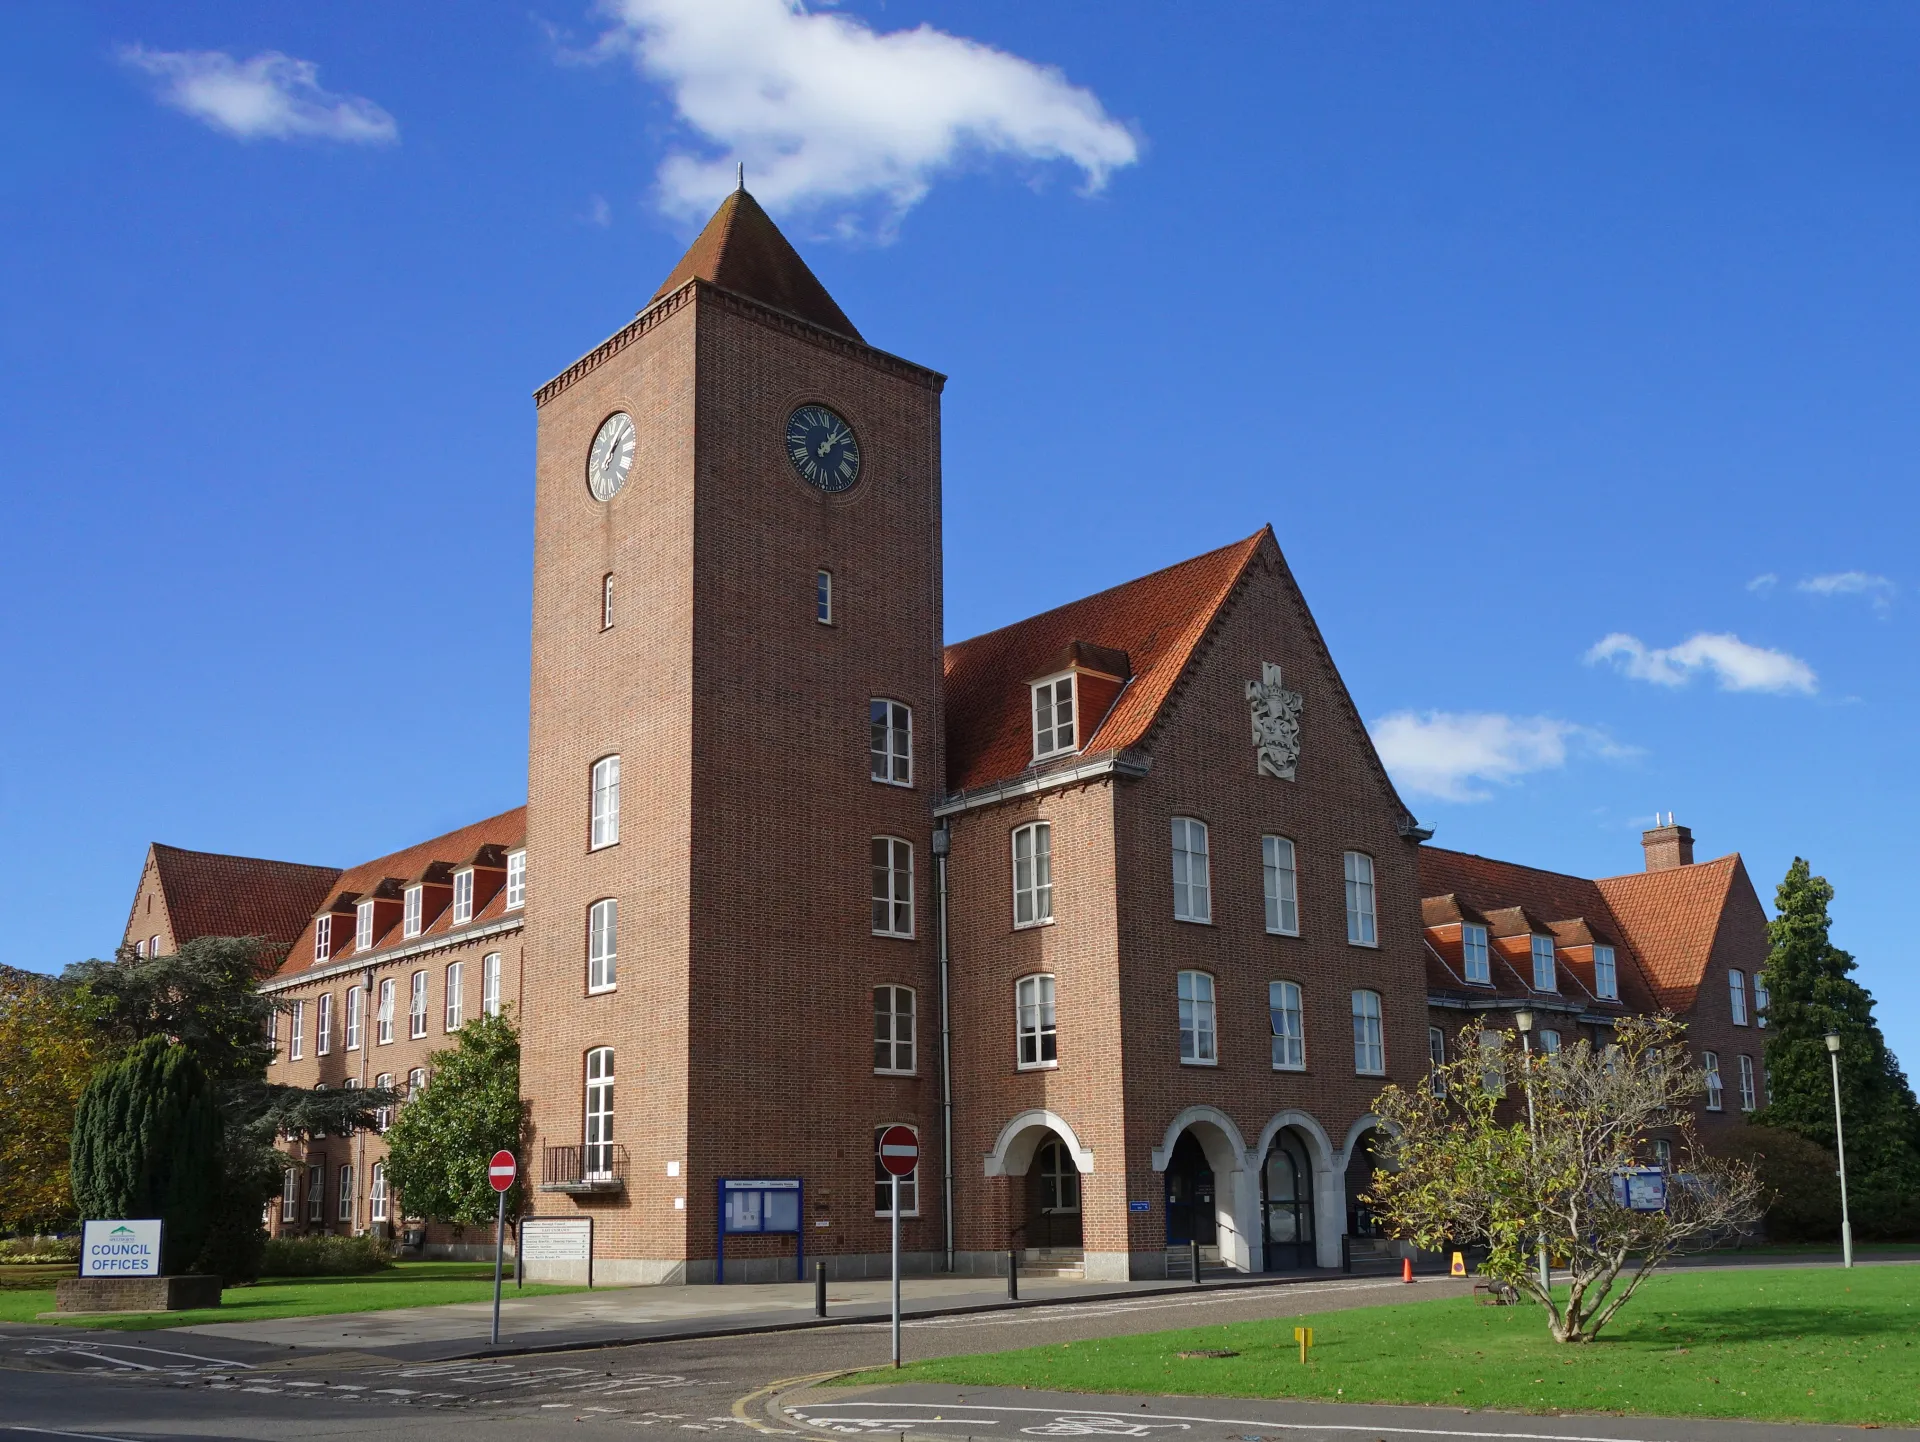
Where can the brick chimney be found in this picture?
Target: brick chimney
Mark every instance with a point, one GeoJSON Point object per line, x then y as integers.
{"type": "Point", "coordinates": [1667, 846]}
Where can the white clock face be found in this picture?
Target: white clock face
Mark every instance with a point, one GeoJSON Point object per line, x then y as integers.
{"type": "Point", "coordinates": [611, 456]}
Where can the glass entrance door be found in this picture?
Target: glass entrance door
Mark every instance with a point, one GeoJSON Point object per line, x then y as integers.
{"type": "Point", "coordinates": [1286, 1184]}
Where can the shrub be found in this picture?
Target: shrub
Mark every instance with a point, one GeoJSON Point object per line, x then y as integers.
{"type": "Point", "coordinates": [1802, 1190]}
{"type": "Point", "coordinates": [324, 1256]}
{"type": "Point", "coordinates": [39, 1251]}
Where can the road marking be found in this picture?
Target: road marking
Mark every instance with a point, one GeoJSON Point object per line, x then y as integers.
{"type": "Point", "coordinates": [157, 1351]}
{"type": "Point", "coordinates": [55, 1432]}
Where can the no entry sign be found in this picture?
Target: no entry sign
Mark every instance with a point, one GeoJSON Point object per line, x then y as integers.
{"type": "Point", "coordinates": [501, 1171]}
{"type": "Point", "coordinates": [899, 1151]}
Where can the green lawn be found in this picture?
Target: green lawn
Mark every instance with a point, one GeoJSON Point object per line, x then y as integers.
{"type": "Point", "coordinates": [1800, 1345]}
{"type": "Point", "coordinates": [405, 1284]}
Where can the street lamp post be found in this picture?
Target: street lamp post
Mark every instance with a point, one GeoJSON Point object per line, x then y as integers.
{"type": "Point", "coordinates": [1840, 1146]}
{"type": "Point", "coordinates": [1524, 1020]}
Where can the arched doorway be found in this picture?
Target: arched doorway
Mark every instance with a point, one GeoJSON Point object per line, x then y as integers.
{"type": "Point", "coordinates": [1286, 1195]}
{"type": "Point", "coordinates": [1191, 1216]}
{"type": "Point", "coordinates": [1053, 1199]}
{"type": "Point", "coordinates": [1361, 1165]}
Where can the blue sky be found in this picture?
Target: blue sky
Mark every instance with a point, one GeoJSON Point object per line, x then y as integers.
{"type": "Point", "coordinates": [1544, 336]}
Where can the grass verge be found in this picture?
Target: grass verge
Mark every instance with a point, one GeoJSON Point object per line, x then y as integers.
{"type": "Point", "coordinates": [406, 1284]}
{"type": "Point", "coordinates": [1786, 1345]}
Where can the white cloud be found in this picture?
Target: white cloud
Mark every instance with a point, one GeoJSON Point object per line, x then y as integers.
{"type": "Point", "coordinates": [1734, 664]}
{"type": "Point", "coordinates": [827, 112]}
{"type": "Point", "coordinates": [271, 96]}
{"type": "Point", "coordinates": [1764, 583]}
{"type": "Point", "coordinates": [1445, 754]}
{"type": "Point", "coordinates": [1877, 589]}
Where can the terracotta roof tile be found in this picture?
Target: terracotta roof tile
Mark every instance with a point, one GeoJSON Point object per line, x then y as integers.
{"type": "Point", "coordinates": [1156, 620]}
{"type": "Point", "coordinates": [208, 894]}
{"type": "Point", "coordinates": [743, 251]}
{"type": "Point", "coordinates": [1673, 917]}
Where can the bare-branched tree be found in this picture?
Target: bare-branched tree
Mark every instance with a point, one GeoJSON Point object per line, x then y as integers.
{"type": "Point", "coordinates": [1465, 1161]}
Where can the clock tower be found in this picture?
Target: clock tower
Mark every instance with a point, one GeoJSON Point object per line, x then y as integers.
{"type": "Point", "coordinates": [736, 744]}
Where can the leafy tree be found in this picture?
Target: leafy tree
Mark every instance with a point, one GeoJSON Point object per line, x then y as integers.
{"type": "Point", "coordinates": [1812, 992]}
{"type": "Point", "coordinates": [1797, 1178]}
{"type": "Point", "coordinates": [48, 1050]}
{"type": "Point", "coordinates": [147, 1143]}
{"type": "Point", "coordinates": [1460, 1164]}
{"type": "Point", "coordinates": [438, 1147]}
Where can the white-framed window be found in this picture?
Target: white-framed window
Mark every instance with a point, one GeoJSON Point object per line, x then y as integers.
{"type": "Point", "coordinates": [322, 939]}
{"type": "Point", "coordinates": [490, 983]}
{"type": "Point", "coordinates": [1606, 974]}
{"type": "Point", "coordinates": [1033, 1021]}
{"type": "Point", "coordinates": [273, 1034]}
{"type": "Point", "coordinates": [456, 1011]}
{"type": "Point", "coordinates": [383, 1115]}
{"type": "Point", "coordinates": [317, 1192]}
{"type": "Point", "coordinates": [890, 742]}
{"type": "Point", "coordinates": [344, 1212]}
{"type": "Point", "coordinates": [1436, 1058]}
{"type": "Point", "coordinates": [320, 1087]}
{"type": "Point", "coordinates": [462, 896]}
{"type": "Point", "coordinates": [290, 1195]}
{"type": "Point", "coordinates": [1198, 1039]}
{"type": "Point", "coordinates": [416, 1082]}
{"type": "Point", "coordinates": [1549, 1043]}
{"type": "Point", "coordinates": [1281, 881]}
{"type": "Point", "coordinates": [1059, 1177]}
{"type": "Point", "coordinates": [377, 1194]}
{"type": "Point", "coordinates": [1737, 995]}
{"type": "Point", "coordinates": [1710, 1062]}
{"type": "Point", "coordinates": [363, 926]}
{"type": "Point", "coordinates": [823, 597]}
{"type": "Point", "coordinates": [892, 887]}
{"type": "Point", "coordinates": [516, 880]}
{"type": "Point", "coordinates": [1749, 1093]}
{"type": "Point", "coordinates": [883, 1180]}
{"type": "Point", "coordinates": [605, 830]}
{"type": "Point", "coordinates": [599, 1114]}
{"type": "Point", "coordinates": [1474, 959]}
{"type": "Point", "coordinates": [606, 602]}
{"type": "Point", "coordinates": [893, 1035]}
{"type": "Point", "coordinates": [383, 1016]}
{"type": "Point", "coordinates": [603, 945]}
{"type": "Point", "coordinates": [1192, 882]}
{"type": "Point", "coordinates": [1369, 1038]}
{"type": "Point", "coordinates": [153, 946]}
{"type": "Point", "coordinates": [417, 1005]}
{"type": "Point", "coordinates": [411, 907]}
{"type": "Point", "coordinates": [1288, 1022]}
{"type": "Point", "coordinates": [1662, 1153]}
{"type": "Point", "coordinates": [1545, 977]}
{"type": "Point", "coordinates": [1760, 998]}
{"type": "Point", "coordinates": [1361, 927]}
{"type": "Point", "coordinates": [297, 1032]}
{"type": "Point", "coordinates": [1053, 730]}
{"type": "Point", "coordinates": [323, 1024]}
{"type": "Point", "coordinates": [1033, 874]}
{"type": "Point", "coordinates": [356, 1001]}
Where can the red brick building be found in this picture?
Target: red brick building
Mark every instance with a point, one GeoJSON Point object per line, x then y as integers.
{"type": "Point", "coordinates": [1116, 907]}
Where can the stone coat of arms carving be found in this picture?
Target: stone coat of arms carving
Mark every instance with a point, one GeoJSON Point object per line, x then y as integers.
{"type": "Point", "coordinates": [1276, 722]}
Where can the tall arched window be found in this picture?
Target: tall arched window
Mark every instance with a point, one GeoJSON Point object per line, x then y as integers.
{"type": "Point", "coordinates": [603, 944]}
{"type": "Point", "coordinates": [1197, 1043]}
{"type": "Point", "coordinates": [1289, 1026]}
{"type": "Point", "coordinates": [1369, 1039]}
{"type": "Point", "coordinates": [1192, 888]}
{"type": "Point", "coordinates": [1033, 874]}
{"type": "Point", "coordinates": [1361, 927]}
{"type": "Point", "coordinates": [598, 1162]}
{"type": "Point", "coordinates": [605, 829]}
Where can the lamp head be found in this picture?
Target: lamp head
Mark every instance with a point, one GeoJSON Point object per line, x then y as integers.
{"type": "Point", "coordinates": [1523, 1019]}
{"type": "Point", "coordinates": [1833, 1041]}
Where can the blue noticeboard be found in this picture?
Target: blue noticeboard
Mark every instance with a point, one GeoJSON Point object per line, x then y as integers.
{"type": "Point", "coordinates": [1640, 1189]}
{"type": "Point", "coordinates": [761, 1206]}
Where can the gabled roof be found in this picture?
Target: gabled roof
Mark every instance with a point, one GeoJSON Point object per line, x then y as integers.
{"type": "Point", "coordinates": [743, 251]}
{"type": "Point", "coordinates": [1673, 916]}
{"type": "Point", "coordinates": [1158, 620]}
{"type": "Point", "coordinates": [208, 894]}
{"type": "Point", "coordinates": [508, 830]}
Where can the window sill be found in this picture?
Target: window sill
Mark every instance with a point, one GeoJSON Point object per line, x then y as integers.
{"type": "Point", "coordinates": [1193, 920]}
{"type": "Point", "coordinates": [1277, 931]}
{"type": "Point", "coordinates": [1358, 1072]}
{"type": "Point", "coordinates": [890, 1071]}
{"type": "Point", "coordinates": [1373, 945]}
{"type": "Point", "coordinates": [1041, 760]}
{"type": "Point", "coordinates": [1033, 925]}
{"type": "Point", "coordinates": [1290, 1070]}
{"type": "Point", "coordinates": [887, 1216]}
{"type": "Point", "coordinates": [895, 935]}
{"type": "Point", "coordinates": [883, 781]}
{"type": "Point", "coordinates": [1037, 1065]}
{"type": "Point", "coordinates": [603, 846]}
{"type": "Point", "coordinates": [602, 990]}
{"type": "Point", "coordinates": [1189, 1061]}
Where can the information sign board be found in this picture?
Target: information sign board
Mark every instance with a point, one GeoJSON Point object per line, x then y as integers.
{"type": "Point", "coordinates": [759, 1206]}
{"type": "Point", "coordinates": [120, 1248]}
{"type": "Point", "coordinates": [1640, 1189]}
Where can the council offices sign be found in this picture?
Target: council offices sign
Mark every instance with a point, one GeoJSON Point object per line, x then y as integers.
{"type": "Point", "coordinates": [120, 1248]}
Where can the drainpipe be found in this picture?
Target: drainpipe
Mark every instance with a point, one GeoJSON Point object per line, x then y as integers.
{"type": "Point", "coordinates": [942, 844]}
{"type": "Point", "coordinates": [359, 1135]}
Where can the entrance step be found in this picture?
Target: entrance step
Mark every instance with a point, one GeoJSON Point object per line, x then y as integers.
{"type": "Point", "coordinates": [1180, 1264]}
{"type": "Point", "coordinates": [1053, 1262]}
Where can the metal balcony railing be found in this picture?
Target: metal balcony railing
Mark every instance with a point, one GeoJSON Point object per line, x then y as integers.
{"type": "Point", "coordinates": [596, 1167]}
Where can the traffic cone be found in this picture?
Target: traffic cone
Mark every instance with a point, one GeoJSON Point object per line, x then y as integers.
{"type": "Point", "coordinates": [1406, 1269]}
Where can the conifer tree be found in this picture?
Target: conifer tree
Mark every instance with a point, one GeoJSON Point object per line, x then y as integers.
{"type": "Point", "coordinates": [1811, 992]}
{"type": "Point", "coordinates": [147, 1143]}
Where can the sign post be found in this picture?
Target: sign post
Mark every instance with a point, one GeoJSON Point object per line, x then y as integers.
{"type": "Point", "coordinates": [899, 1154]}
{"type": "Point", "coordinates": [501, 1171]}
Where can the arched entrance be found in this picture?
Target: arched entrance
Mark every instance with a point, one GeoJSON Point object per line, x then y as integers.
{"type": "Point", "coordinates": [1286, 1195]}
{"type": "Point", "coordinates": [1053, 1199]}
{"type": "Point", "coordinates": [1361, 1165]}
{"type": "Point", "coordinates": [1191, 1215]}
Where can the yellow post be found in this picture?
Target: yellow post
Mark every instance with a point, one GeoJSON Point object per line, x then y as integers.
{"type": "Point", "coordinates": [1304, 1336]}
{"type": "Point", "coordinates": [1459, 1268]}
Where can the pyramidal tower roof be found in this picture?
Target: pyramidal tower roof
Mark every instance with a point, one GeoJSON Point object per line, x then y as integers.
{"type": "Point", "coordinates": [743, 251]}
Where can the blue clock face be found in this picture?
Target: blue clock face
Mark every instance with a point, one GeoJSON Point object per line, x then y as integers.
{"type": "Point", "coordinates": [822, 449]}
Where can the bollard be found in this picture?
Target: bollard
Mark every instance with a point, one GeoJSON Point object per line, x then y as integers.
{"type": "Point", "coordinates": [819, 1289]}
{"type": "Point", "coordinates": [1013, 1274]}
{"type": "Point", "coordinates": [1196, 1263]}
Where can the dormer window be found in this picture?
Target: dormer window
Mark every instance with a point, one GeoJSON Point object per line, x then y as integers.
{"type": "Point", "coordinates": [516, 880]}
{"type": "Point", "coordinates": [1606, 974]}
{"type": "Point", "coordinates": [462, 897]}
{"type": "Point", "coordinates": [1053, 733]}
{"type": "Point", "coordinates": [1544, 978]}
{"type": "Point", "coordinates": [363, 926]}
{"type": "Point", "coordinates": [410, 917]}
{"type": "Point", "coordinates": [1473, 954]}
{"type": "Point", "coordinates": [323, 938]}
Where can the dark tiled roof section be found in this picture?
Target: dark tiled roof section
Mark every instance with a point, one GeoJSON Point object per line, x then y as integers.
{"type": "Point", "coordinates": [1158, 620]}
{"type": "Point", "coordinates": [212, 895]}
{"type": "Point", "coordinates": [1672, 917]}
{"type": "Point", "coordinates": [506, 831]}
{"type": "Point", "coordinates": [743, 251]}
